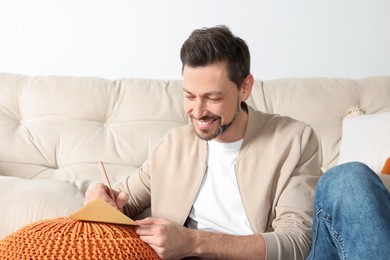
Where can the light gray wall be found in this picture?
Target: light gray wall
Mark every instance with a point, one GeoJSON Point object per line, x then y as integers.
{"type": "Point", "coordinates": [142, 38]}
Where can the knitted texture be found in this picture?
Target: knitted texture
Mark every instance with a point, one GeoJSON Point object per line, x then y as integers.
{"type": "Point", "coordinates": [63, 238]}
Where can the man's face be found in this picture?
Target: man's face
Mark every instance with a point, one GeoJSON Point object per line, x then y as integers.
{"type": "Point", "coordinates": [212, 102]}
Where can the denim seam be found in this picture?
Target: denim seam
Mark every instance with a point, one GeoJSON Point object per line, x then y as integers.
{"type": "Point", "coordinates": [328, 218]}
{"type": "Point", "coordinates": [339, 240]}
{"type": "Point", "coordinates": [315, 234]}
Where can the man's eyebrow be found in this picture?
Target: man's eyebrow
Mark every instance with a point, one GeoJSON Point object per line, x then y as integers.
{"type": "Point", "coordinates": [211, 93]}
{"type": "Point", "coordinates": [185, 90]}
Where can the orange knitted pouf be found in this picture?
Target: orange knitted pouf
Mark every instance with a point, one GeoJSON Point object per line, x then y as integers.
{"type": "Point", "coordinates": [64, 238]}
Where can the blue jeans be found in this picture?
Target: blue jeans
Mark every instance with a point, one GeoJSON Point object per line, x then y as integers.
{"type": "Point", "coordinates": [351, 215]}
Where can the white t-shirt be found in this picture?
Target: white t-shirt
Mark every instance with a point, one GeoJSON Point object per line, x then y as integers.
{"type": "Point", "coordinates": [218, 206]}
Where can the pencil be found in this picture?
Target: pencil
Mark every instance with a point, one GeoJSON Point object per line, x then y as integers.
{"type": "Point", "coordinates": [107, 181]}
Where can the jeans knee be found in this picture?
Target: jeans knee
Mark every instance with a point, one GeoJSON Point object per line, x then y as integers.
{"type": "Point", "coordinates": [345, 178]}
{"type": "Point", "coordinates": [352, 171]}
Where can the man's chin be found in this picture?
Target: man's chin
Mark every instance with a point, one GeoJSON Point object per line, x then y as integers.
{"type": "Point", "coordinates": [205, 135]}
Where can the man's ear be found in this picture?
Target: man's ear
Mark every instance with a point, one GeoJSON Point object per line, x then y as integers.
{"type": "Point", "coordinates": [246, 87]}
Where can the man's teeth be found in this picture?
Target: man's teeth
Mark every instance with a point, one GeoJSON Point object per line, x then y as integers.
{"type": "Point", "coordinates": [204, 122]}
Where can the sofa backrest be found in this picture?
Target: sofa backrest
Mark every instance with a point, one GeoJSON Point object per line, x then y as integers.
{"type": "Point", "coordinates": [60, 127]}
{"type": "Point", "coordinates": [323, 103]}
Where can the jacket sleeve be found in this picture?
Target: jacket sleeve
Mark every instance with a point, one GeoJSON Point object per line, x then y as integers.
{"type": "Point", "coordinates": [137, 185]}
{"type": "Point", "coordinates": [292, 225]}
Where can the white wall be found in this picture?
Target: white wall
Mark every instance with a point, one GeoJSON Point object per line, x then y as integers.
{"type": "Point", "coordinates": [142, 38]}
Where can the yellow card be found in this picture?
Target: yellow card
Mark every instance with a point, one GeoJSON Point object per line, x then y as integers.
{"type": "Point", "coordinates": [100, 211]}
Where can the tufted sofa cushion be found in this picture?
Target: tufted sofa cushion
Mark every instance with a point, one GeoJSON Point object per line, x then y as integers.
{"type": "Point", "coordinates": [59, 127]}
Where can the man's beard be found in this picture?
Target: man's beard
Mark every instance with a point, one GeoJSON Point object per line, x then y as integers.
{"type": "Point", "coordinates": [221, 129]}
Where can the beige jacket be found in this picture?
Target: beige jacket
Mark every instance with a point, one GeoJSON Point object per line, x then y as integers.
{"type": "Point", "coordinates": [277, 169]}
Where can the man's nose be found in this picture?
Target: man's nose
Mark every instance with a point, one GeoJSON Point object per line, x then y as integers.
{"type": "Point", "coordinates": [199, 109]}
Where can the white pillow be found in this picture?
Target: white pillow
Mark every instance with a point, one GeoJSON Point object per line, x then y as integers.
{"type": "Point", "coordinates": [366, 138]}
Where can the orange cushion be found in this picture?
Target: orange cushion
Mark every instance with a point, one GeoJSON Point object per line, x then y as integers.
{"type": "Point", "coordinates": [64, 238]}
{"type": "Point", "coordinates": [386, 167]}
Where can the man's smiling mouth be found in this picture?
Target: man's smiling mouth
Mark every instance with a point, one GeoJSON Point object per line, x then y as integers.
{"type": "Point", "coordinates": [205, 122]}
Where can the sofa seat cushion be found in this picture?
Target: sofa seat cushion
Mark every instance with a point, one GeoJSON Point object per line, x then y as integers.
{"type": "Point", "coordinates": [26, 201]}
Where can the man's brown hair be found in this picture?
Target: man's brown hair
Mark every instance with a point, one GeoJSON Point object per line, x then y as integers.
{"type": "Point", "coordinates": [207, 46]}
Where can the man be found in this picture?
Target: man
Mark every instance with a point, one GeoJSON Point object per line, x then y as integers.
{"type": "Point", "coordinates": [237, 183]}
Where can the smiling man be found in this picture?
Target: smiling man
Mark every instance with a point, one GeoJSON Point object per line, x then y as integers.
{"type": "Point", "coordinates": [236, 183]}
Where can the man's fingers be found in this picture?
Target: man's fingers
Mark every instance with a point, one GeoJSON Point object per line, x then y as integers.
{"type": "Point", "coordinates": [151, 227]}
{"type": "Point", "coordinates": [99, 190]}
{"type": "Point", "coordinates": [121, 198]}
{"type": "Point", "coordinates": [145, 231]}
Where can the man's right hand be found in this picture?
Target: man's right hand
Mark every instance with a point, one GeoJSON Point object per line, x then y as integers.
{"type": "Point", "coordinates": [101, 191]}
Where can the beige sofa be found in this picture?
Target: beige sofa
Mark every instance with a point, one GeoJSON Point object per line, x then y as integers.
{"type": "Point", "coordinates": [54, 130]}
